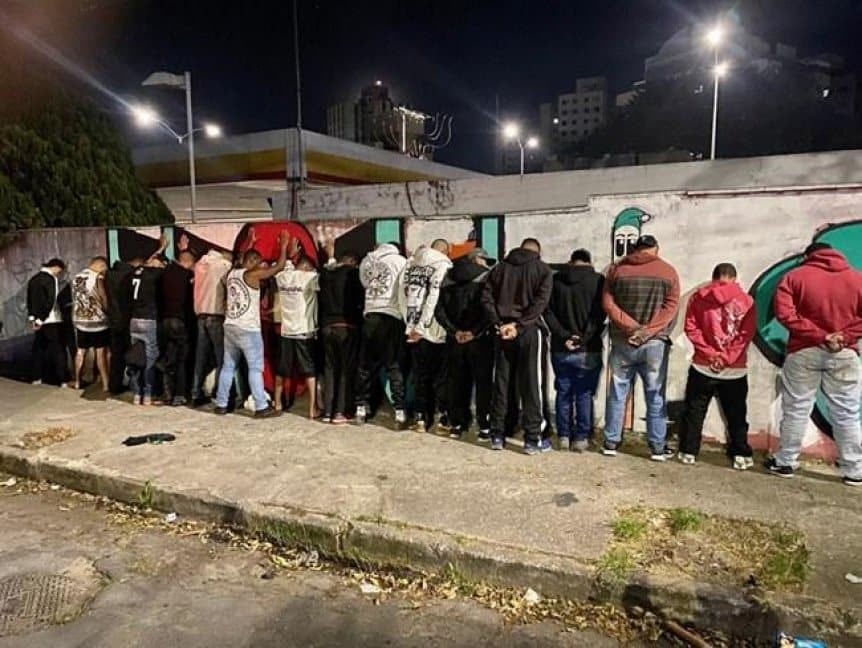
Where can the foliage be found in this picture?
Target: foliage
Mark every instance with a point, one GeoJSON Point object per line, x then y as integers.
{"type": "Point", "coordinates": [63, 164]}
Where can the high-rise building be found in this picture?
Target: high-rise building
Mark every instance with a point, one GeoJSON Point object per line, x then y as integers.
{"type": "Point", "coordinates": [375, 120]}
{"type": "Point", "coordinates": [581, 112]}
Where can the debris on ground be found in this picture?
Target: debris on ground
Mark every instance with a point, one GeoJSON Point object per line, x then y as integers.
{"type": "Point", "coordinates": [416, 588]}
{"type": "Point", "coordinates": [684, 542]}
{"type": "Point", "coordinates": [156, 438]}
{"type": "Point", "coordinates": [786, 641]}
{"type": "Point", "coordinates": [853, 578]}
{"type": "Point", "coordinates": [170, 518]}
{"type": "Point", "coordinates": [531, 596]}
{"type": "Point", "coordinates": [9, 483]}
{"type": "Point", "coordinates": [47, 437]}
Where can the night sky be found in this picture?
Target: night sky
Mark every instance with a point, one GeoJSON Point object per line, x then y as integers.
{"type": "Point", "coordinates": [445, 56]}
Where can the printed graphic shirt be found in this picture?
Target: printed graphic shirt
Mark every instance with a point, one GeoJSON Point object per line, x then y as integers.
{"type": "Point", "coordinates": [297, 296]}
{"type": "Point", "coordinates": [243, 302]}
{"type": "Point", "coordinates": [88, 311]}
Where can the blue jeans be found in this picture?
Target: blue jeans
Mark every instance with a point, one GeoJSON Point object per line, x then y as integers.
{"type": "Point", "coordinates": [146, 331]}
{"type": "Point", "coordinates": [577, 378]}
{"type": "Point", "coordinates": [248, 344]}
{"type": "Point", "coordinates": [209, 350]}
{"type": "Point", "coordinates": [839, 376]}
{"type": "Point", "coordinates": [649, 361]}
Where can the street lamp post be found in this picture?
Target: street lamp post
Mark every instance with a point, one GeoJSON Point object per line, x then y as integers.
{"type": "Point", "coordinates": [183, 81]}
{"type": "Point", "coordinates": [512, 131]}
{"type": "Point", "coordinates": [714, 37]}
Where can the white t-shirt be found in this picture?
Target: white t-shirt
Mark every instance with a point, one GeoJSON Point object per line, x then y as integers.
{"type": "Point", "coordinates": [297, 295]}
{"type": "Point", "coordinates": [88, 313]}
{"type": "Point", "coordinates": [243, 302]}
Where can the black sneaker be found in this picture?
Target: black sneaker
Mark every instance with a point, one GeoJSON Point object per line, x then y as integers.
{"type": "Point", "coordinates": [200, 401]}
{"type": "Point", "coordinates": [773, 467]}
{"type": "Point", "coordinates": [609, 449]}
{"type": "Point", "coordinates": [456, 432]}
{"type": "Point", "coordinates": [660, 454]}
{"type": "Point", "coordinates": [267, 412]}
{"type": "Point", "coordinates": [484, 436]}
{"type": "Point", "coordinates": [852, 481]}
{"type": "Point", "coordinates": [220, 411]}
{"type": "Point", "coordinates": [443, 424]}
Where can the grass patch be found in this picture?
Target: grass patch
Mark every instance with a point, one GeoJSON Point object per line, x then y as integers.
{"type": "Point", "coordinates": [629, 527]}
{"type": "Point", "coordinates": [685, 542]}
{"type": "Point", "coordinates": [684, 519]}
{"type": "Point", "coordinates": [147, 496]}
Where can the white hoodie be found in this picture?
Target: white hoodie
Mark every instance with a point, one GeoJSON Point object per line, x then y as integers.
{"type": "Point", "coordinates": [419, 290]}
{"type": "Point", "coordinates": [379, 273]}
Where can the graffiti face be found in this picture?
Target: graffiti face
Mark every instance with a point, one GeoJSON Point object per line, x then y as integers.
{"type": "Point", "coordinates": [771, 338]}
{"type": "Point", "coordinates": [626, 230]}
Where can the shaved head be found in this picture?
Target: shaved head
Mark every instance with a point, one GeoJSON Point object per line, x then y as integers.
{"type": "Point", "coordinates": [441, 245]}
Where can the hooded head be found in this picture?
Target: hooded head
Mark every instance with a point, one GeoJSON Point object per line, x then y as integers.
{"type": "Point", "coordinates": [825, 257]}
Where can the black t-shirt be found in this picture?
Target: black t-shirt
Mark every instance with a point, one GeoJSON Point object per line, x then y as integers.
{"type": "Point", "coordinates": [177, 293]}
{"type": "Point", "coordinates": [119, 293]}
{"type": "Point", "coordinates": [145, 292]}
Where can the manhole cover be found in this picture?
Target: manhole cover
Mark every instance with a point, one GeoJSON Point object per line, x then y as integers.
{"type": "Point", "coordinates": [30, 601]}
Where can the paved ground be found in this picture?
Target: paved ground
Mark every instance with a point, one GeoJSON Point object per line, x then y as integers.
{"type": "Point", "coordinates": [155, 589]}
{"type": "Point", "coordinates": [555, 505]}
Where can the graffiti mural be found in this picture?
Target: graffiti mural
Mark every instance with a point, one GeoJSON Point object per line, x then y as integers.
{"type": "Point", "coordinates": [771, 338]}
{"type": "Point", "coordinates": [626, 230]}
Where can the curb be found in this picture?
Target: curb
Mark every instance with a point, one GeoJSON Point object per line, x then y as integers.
{"type": "Point", "coordinates": [749, 613]}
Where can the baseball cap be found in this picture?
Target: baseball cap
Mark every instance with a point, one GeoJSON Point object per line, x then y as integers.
{"type": "Point", "coordinates": [481, 253]}
{"type": "Point", "coordinates": [646, 242]}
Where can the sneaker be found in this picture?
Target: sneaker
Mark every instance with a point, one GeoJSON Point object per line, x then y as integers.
{"type": "Point", "coordinates": [580, 445]}
{"type": "Point", "coordinates": [443, 424]}
{"type": "Point", "coordinates": [400, 420]}
{"type": "Point", "coordinates": [852, 481]}
{"type": "Point", "coordinates": [361, 415]}
{"type": "Point", "coordinates": [267, 412]}
{"type": "Point", "coordinates": [661, 455]}
{"type": "Point", "coordinates": [498, 443]}
{"type": "Point", "coordinates": [565, 443]}
{"type": "Point", "coordinates": [484, 436]}
{"type": "Point", "coordinates": [325, 418]}
{"type": "Point", "coordinates": [456, 432]}
{"type": "Point", "coordinates": [149, 402]}
{"type": "Point", "coordinates": [137, 399]}
{"type": "Point", "coordinates": [36, 382]}
{"type": "Point", "coordinates": [340, 419]}
{"type": "Point", "coordinates": [609, 448]}
{"type": "Point", "coordinates": [535, 448]}
{"type": "Point", "coordinates": [200, 401]}
{"type": "Point", "coordinates": [220, 411]}
{"type": "Point", "coordinates": [687, 459]}
{"type": "Point", "coordinates": [178, 401]}
{"type": "Point", "coordinates": [742, 463]}
{"type": "Point", "coordinates": [419, 425]}
{"type": "Point", "coordinates": [782, 471]}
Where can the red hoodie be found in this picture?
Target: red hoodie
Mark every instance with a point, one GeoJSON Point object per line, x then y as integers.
{"type": "Point", "coordinates": [822, 296]}
{"type": "Point", "coordinates": [720, 322]}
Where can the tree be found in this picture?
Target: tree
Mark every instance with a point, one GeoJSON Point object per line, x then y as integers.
{"type": "Point", "coordinates": [63, 164]}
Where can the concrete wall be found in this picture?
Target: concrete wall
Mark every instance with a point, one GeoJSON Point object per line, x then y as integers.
{"type": "Point", "coordinates": [567, 189]}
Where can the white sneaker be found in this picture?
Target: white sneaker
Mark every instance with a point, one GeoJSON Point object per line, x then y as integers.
{"type": "Point", "coordinates": [580, 445]}
{"type": "Point", "coordinates": [361, 415]}
{"type": "Point", "coordinates": [137, 399]}
{"type": "Point", "coordinates": [400, 416]}
{"type": "Point", "coordinates": [36, 382]}
{"type": "Point", "coordinates": [742, 463]}
{"type": "Point", "coordinates": [687, 459]}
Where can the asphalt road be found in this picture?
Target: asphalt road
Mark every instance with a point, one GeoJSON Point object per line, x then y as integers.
{"type": "Point", "coordinates": [146, 587]}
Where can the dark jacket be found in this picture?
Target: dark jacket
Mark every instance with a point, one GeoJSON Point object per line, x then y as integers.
{"type": "Point", "coordinates": [341, 298]}
{"type": "Point", "coordinates": [518, 290]}
{"type": "Point", "coordinates": [117, 285]}
{"type": "Point", "coordinates": [460, 305]}
{"type": "Point", "coordinates": [41, 295]}
{"type": "Point", "coordinates": [576, 308]}
{"type": "Point", "coordinates": [177, 293]}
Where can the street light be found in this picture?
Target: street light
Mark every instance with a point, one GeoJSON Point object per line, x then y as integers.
{"type": "Point", "coordinates": [714, 37]}
{"type": "Point", "coordinates": [512, 131]}
{"type": "Point", "coordinates": [147, 117]}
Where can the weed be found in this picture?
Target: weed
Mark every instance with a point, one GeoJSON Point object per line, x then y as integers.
{"type": "Point", "coordinates": [617, 563]}
{"type": "Point", "coordinates": [629, 528]}
{"type": "Point", "coordinates": [684, 519]}
{"type": "Point", "coordinates": [790, 564]}
{"type": "Point", "coordinates": [147, 496]}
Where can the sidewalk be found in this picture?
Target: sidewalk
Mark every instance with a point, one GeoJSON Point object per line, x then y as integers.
{"type": "Point", "coordinates": [426, 501]}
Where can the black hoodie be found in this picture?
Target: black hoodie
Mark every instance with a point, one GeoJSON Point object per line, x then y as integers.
{"type": "Point", "coordinates": [576, 308]}
{"type": "Point", "coordinates": [341, 297]}
{"type": "Point", "coordinates": [518, 289]}
{"type": "Point", "coordinates": [459, 307]}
